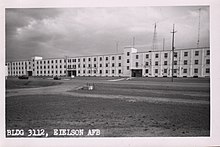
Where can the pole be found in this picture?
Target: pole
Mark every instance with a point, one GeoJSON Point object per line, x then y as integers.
{"type": "Point", "coordinates": [173, 32]}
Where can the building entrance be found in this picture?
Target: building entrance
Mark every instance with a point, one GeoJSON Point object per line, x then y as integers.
{"type": "Point", "coordinates": [29, 73]}
{"type": "Point", "coordinates": [136, 72]}
{"type": "Point", "coordinates": [71, 73]}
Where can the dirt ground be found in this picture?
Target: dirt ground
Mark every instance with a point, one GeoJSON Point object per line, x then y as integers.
{"type": "Point", "coordinates": [126, 108]}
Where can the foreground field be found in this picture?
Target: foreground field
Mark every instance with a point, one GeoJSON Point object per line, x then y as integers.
{"type": "Point", "coordinates": [122, 108]}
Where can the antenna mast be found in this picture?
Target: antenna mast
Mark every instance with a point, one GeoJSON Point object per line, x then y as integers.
{"type": "Point", "coordinates": [154, 45]}
{"type": "Point", "coordinates": [198, 29]}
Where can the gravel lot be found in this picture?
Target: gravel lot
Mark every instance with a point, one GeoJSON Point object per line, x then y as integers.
{"type": "Point", "coordinates": [136, 107]}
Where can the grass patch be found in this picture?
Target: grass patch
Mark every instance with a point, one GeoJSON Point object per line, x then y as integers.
{"type": "Point", "coordinates": [30, 83]}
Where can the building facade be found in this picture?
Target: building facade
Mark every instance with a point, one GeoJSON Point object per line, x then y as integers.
{"type": "Point", "coordinates": [191, 62]}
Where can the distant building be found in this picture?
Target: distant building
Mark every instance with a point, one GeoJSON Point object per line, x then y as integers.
{"type": "Point", "coordinates": [188, 62]}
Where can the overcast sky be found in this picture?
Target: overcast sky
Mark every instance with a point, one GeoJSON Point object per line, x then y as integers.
{"type": "Point", "coordinates": [51, 33]}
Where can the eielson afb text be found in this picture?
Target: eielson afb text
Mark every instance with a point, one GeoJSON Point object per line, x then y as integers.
{"type": "Point", "coordinates": [55, 132]}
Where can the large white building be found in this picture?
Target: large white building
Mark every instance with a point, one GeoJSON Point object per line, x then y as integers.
{"type": "Point", "coordinates": [190, 62]}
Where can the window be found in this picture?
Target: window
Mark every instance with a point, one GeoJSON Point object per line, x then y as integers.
{"type": "Point", "coordinates": [119, 71]}
{"type": "Point", "coordinates": [78, 71]}
{"type": "Point", "coordinates": [147, 63]}
{"type": "Point", "coordinates": [175, 62]}
{"type": "Point", "coordinates": [52, 61]}
{"type": "Point", "coordinates": [127, 67]}
{"type": "Point", "coordinates": [185, 54]}
{"type": "Point", "coordinates": [147, 56]}
{"type": "Point", "coordinates": [208, 52]}
{"type": "Point", "coordinates": [184, 70]}
{"type": "Point", "coordinates": [100, 65]}
{"type": "Point", "coordinates": [84, 71]}
{"type": "Point", "coordinates": [100, 71]}
{"type": "Point", "coordinates": [78, 60]}
{"type": "Point", "coordinates": [196, 62]}
{"type": "Point", "coordinates": [195, 70]}
{"type": "Point", "coordinates": [106, 65]}
{"type": "Point", "coordinates": [127, 60]}
{"type": "Point", "coordinates": [106, 71]}
{"type": "Point", "coordinates": [175, 54]}
{"type": "Point", "coordinates": [89, 71]}
{"type": "Point", "coordinates": [136, 64]}
{"type": "Point", "coordinates": [196, 53]}
{"type": "Point", "coordinates": [100, 59]}
{"type": "Point", "coordinates": [113, 58]}
{"type": "Point", "coordinates": [60, 61]}
{"type": "Point", "coordinates": [156, 55]}
{"type": "Point", "coordinates": [156, 71]}
{"type": "Point", "coordinates": [185, 62]}
{"type": "Point", "coordinates": [174, 70]}
{"type": "Point", "coordinates": [156, 63]}
{"type": "Point", "coordinates": [113, 71]}
{"type": "Point", "coordinates": [84, 65]}
{"type": "Point", "coordinates": [94, 59]}
{"type": "Point", "coordinates": [146, 71]}
{"type": "Point", "coordinates": [84, 59]}
{"type": "Point", "coordinates": [119, 57]}
{"type": "Point", "coordinates": [89, 65]}
{"type": "Point", "coordinates": [207, 61]}
{"type": "Point", "coordinates": [207, 70]}
{"type": "Point", "coordinates": [106, 58]}
{"type": "Point", "coordinates": [89, 59]}
{"type": "Point", "coordinates": [165, 70]}
{"type": "Point", "coordinates": [78, 65]}
{"type": "Point", "coordinates": [165, 55]}
{"type": "Point", "coordinates": [119, 64]}
{"type": "Point", "coordinates": [56, 61]}
{"type": "Point", "coordinates": [113, 64]}
{"type": "Point", "coordinates": [94, 65]}
{"type": "Point", "coordinates": [136, 56]}
{"type": "Point", "coordinates": [128, 53]}
{"type": "Point", "coordinates": [165, 62]}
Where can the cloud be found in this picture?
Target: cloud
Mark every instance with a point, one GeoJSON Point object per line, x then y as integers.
{"type": "Point", "coordinates": [50, 32]}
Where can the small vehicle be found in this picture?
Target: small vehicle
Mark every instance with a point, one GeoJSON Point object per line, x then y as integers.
{"type": "Point", "coordinates": [23, 77]}
{"type": "Point", "coordinates": [56, 78]}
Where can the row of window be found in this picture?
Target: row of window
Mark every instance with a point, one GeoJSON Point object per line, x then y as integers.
{"type": "Point", "coordinates": [94, 59]}
{"type": "Point", "coordinates": [196, 53]}
{"type": "Point", "coordinates": [196, 70]}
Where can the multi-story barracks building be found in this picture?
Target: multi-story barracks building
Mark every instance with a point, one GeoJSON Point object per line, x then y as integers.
{"type": "Point", "coordinates": [190, 62]}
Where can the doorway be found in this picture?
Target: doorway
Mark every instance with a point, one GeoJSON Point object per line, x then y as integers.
{"type": "Point", "coordinates": [136, 72]}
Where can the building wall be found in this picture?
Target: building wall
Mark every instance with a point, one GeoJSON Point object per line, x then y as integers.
{"type": "Point", "coordinates": [187, 63]}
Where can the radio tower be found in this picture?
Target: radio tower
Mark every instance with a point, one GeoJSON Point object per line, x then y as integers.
{"type": "Point", "coordinates": [198, 29]}
{"type": "Point", "coordinates": [154, 44]}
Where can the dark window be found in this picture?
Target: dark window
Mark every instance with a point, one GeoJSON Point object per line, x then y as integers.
{"type": "Point", "coordinates": [185, 54]}
{"type": "Point", "coordinates": [196, 53]}
{"type": "Point", "coordinates": [127, 60]}
{"type": "Point", "coordinates": [174, 70]}
{"type": "Point", "coordinates": [195, 70]}
{"type": "Point", "coordinates": [100, 65]}
{"type": "Point", "coordinates": [156, 55]}
{"type": "Point", "coordinates": [100, 58]}
{"type": "Point", "coordinates": [136, 64]}
{"type": "Point", "coordinates": [128, 53]}
{"type": "Point", "coordinates": [106, 71]}
{"type": "Point", "coordinates": [165, 55]}
{"type": "Point", "coordinates": [207, 70]}
{"type": "Point", "coordinates": [119, 71]}
{"type": "Point", "coordinates": [165, 62]}
{"type": "Point", "coordinates": [207, 61]}
{"type": "Point", "coordinates": [84, 59]}
{"type": "Point", "coordinates": [184, 70]}
{"type": "Point", "coordinates": [113, 58]}
{"type": "Point", "coordinates": [78, 60]}
{"type": "Point", "coordinates": [147, 55]}
{"type": "Point", "coordinates": [156, 70]}
{"type": "Point", "coordinates": [136, 56]}
{"type": "Point", "coordinates": [94, 59]}
{"type": "Point", "coordinates": [106, 58]}
{"type": "Point", "coordinates": [175, 54]}
{"type": "Point", "coordinates": [147, 63]}
{"type": "Point", "coordinates": [119, 64]}
{"type": "Point", "coordinates": [127, 67]}
{"type": "Point", "coordinates": [113, 71]}
{"type": "Point", "coordinates": [208, 52]}
{"type": "Point", "coordinates": [113, 64]}
{"type": "Point", "coordinates": [185, 62]}
{"type": "Point", "coordinates": [100, 71]}
{"type": "Point", "coordinates": [156, 63]}
{"type": "Point", "coordinates": [89, 59]}
{"type": "Point", "coordinates": [146, 70]}
{"type": "Point", "coordinates": [196, 62]}
{"type": "Point", "coordinates": [119, 57]}
{"type": "Point", "coordinates": [175, 63]}
{"type": "Point", "coordinates": [165, 70]}
{"type": "Point", "coordinates": [106, 65]}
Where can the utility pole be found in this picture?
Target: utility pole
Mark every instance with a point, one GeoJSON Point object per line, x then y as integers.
{"type": "Point", "coordinates": [154, 44]}
{"type": "Point", "coordinates": [198, 29]}
{"type": "Point", "coordinates": [173, 32]}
